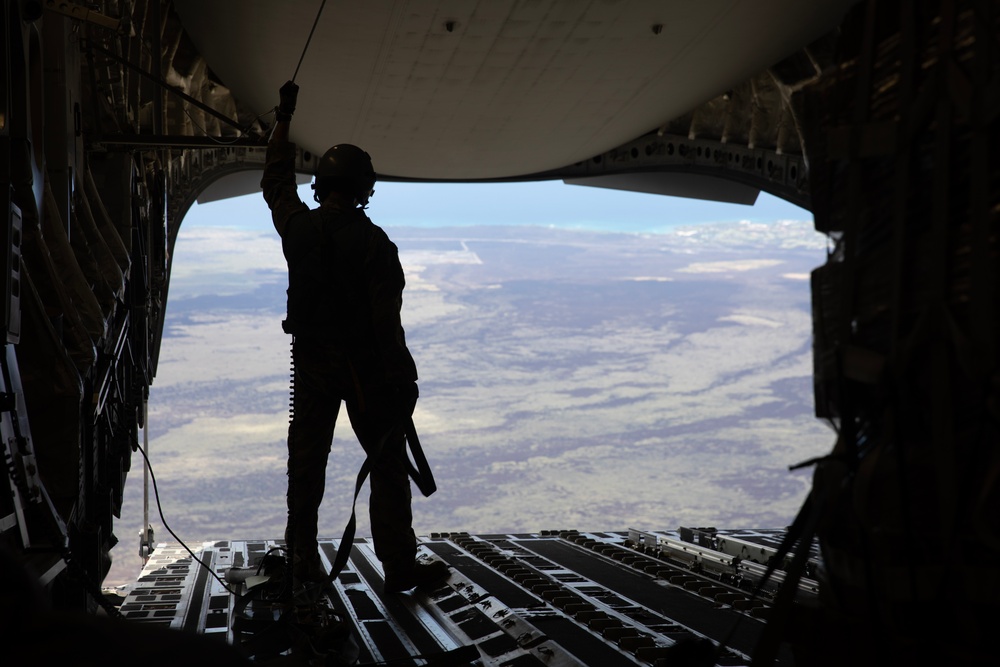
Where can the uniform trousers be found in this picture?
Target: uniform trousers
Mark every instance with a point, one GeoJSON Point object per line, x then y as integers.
{"type": "Point", "coordinates": [325, 375]}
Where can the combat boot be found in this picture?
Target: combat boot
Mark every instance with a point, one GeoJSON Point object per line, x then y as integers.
{"type": "Point", "coordinates": [419, 573]}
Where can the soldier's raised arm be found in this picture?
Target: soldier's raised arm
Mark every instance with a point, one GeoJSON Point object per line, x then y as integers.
{"type": "Point", "coordinates": [278, 182]}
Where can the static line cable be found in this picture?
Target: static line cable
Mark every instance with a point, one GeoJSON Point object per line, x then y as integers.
{"type": "Point", "coordinates": [309, 39]}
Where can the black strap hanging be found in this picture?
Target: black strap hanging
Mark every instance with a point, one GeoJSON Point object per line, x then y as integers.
{"type": "Point", "coordinates": [419, 469]}
{"type": "Point", "coordinates": [420, 472]}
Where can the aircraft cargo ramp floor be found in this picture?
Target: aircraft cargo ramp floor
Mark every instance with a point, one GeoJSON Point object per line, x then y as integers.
{"type": "Point", "coordinates": [553, 598]}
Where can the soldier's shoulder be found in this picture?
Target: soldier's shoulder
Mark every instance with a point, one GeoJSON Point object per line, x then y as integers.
{"type": "Point", "coordinates": [303, 221]}
{"type": "Point", "coordinates": [378, 233]}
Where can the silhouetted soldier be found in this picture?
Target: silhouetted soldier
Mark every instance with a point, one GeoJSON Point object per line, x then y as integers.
{"type": "Point", "coordinates": [345, 288]}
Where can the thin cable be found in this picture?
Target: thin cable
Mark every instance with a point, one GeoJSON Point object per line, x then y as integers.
{"type": "Point", "coordinates": [159, 507]}
{"type": "Point", "coordinates": [144, 538]}
{"type": "Point", "coordinates": [306, 48]}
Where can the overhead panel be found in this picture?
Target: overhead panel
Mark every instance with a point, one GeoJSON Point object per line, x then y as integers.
{"type": "Point", "coordinates": [493, 89]}
{"type": "Point", "coordinates": [236, 185]}
{"type": "Point", "coordinates": [693, 186]}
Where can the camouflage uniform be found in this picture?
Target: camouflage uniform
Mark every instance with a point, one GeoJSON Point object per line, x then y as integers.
{"type": "Point", "coordinates": [345, 287]}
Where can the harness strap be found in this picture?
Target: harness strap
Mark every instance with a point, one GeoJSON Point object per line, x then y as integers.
{"type": "Point", "coordinates": [419, 469]}
{"type": "Point", "coordinates": [347, 539]}
{"type": "Point", "coordinates": [420, 472]}
{"type": "Point", "coordinates": [422, 477]}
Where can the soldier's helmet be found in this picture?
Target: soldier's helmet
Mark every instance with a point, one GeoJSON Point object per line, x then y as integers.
{"type": "Point", "coordinates": [347, 169]}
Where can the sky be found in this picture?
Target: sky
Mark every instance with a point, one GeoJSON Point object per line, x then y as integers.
{"type": "Point", "coordinates": [545, 203]}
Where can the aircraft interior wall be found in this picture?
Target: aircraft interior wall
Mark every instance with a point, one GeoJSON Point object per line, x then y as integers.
{"type": "Point", "coordinates": [897, 132]}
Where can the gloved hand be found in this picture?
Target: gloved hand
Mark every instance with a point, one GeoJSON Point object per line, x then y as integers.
{"type": "Point", "coordinates": [288, 95]}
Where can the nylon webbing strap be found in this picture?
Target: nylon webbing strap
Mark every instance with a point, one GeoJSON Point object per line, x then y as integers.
{"type": "Point", "coordinates": [419, 469]}
{"type": "Point", "coordinates": [422, 476]}
{"type": "Point", "coordinates": [344, 548]}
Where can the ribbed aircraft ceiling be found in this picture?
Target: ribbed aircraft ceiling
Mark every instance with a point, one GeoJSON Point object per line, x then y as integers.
{"type": "Point", "coordinates": [472, 89]}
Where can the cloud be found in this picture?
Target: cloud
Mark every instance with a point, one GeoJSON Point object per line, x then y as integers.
{"type": "Point", "coordinates": [751, 320]}
{"type": "Point", "coordinates": [730, 265]}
